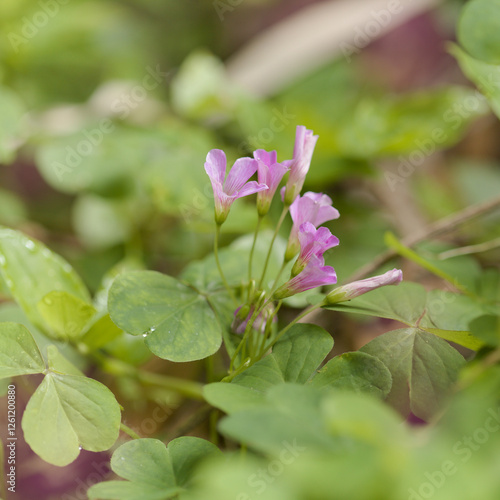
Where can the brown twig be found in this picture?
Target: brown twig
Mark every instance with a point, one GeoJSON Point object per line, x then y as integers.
{"type": "Point", "coordinates": [438, 228]}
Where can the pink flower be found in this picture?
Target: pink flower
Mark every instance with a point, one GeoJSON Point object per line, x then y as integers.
{"type": "Point", "coordinates": [234, 186]}
{"type": "Point", "coordinates": [357, 288]}
{"type": "Point", "coordinates": [270, 172]}
{"type": "Point", "coordinates": [305, 142]}
{"type": "Point", "coordinates": [313, 275]}
{"type": "Point", "coordinates": [315, 208]}
{"type": "Point", "coordinates": [312, 242]}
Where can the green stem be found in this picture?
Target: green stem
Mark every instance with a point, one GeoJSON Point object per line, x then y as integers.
{"type": "Point", "coordinates": [216, 253]}
{"type": "Point", "coordinates": [240, 369]}
{"type": "Point", "coordinates": [293, 322]}
{"type": "Point", "coordinates": [250, 260]}
{"type": "Point", "coordinates": [268, 330]}
{"type": "Point", "coordinates": [187, 388]}
{"type": "Point", "coordinates": [209, 366]}
{"type": "Point", "coordinates": [393, 243]}
{"type": "Point", "coordinates": [127, 430]}
{"type": "Point", "coordinates": [213, 419]}
{"type": "Point", "coordinates": [243, 342]}
{"type": "Point", "coordinates": [438, 228]}
{"type": "Point", "coordinates": [278, 226]}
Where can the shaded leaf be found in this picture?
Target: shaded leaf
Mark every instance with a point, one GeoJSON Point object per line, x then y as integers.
{"type": "Point", "coordinates": [152, 470]}
{"type": "Point", "coordinates": [355, 371]}
{"type": "Point", "coordinates": [100, 333]}
{"type": "Point", "coordinates": [178, 323]}
{"type": "Point", "coordinates": [487, 328]}
{"type": "Point", "coordinates": [300, 352]}
{"type": "Point", "coordinates": [423, 368]}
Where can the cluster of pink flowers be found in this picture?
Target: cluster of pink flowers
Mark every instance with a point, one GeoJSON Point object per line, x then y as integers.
{"type": "Point", "coordinates": [308, 212]}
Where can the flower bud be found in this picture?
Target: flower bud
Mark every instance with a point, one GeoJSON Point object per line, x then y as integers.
{"type": "Point", "coordinates": [357, 288]}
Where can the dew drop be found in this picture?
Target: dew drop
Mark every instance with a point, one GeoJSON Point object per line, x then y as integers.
{"type": "Point", "coordinates": [80, 448]}
{"type": "Point", "coordinates": [30, 245]}
{"type": "Point", "coordinates": [2, 260]}
{"type": "Point", "coordinates": [145, 335]}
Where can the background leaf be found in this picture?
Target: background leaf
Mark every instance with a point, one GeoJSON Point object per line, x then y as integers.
{"type": "Point", "coordinates": [153, 471]}
{"type": "Point", "coordinates": [423, 367]}
{"type": "Point", "coordinates": [291, 412]}
{"type": "Point", "coordinates": [66, 412]}
{"type": "Point", "coordinates": [31, 271]}
{"type": "Point", "coordinates": [404, 303]}
{"type": "Point", "coordinates": [10, 123]}
{"type": "Point", "coordinates": [485, 76]}
{"type": "Point", "coordinates": [19, 354]}
{"type": "Point", "coordinates": [479, 30]}
{"type": "Point", "coordinates": [65, 314]}
{"type": "Point", "coordinates": [439, 312]}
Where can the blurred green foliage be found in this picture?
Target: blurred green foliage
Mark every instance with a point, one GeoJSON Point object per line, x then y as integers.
{"type": "Point", "coordinates": [107, 111]}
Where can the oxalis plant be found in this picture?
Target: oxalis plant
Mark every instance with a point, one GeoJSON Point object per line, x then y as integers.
{"type": "Point", "coordinates": [414, 414]}
{"type": "Point", "coordinates": [307, 418]}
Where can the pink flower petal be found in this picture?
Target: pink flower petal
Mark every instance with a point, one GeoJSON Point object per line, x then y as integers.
{"type": "Point", "coordinates": [315, 274]}
{"type": "Point", "coordinates": [251, 188]}
{"type": "Point", "coordinates": [215, 166]}
{"type": "Point", "coordinates": [239, 174]}
{"type": "Point", "coordinates": [268, 158]}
